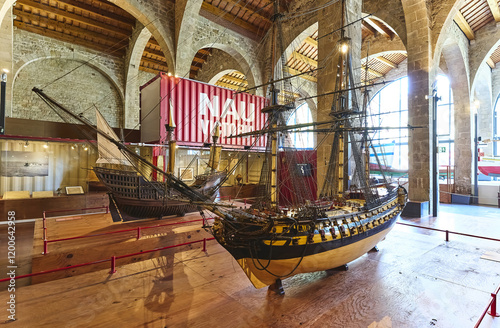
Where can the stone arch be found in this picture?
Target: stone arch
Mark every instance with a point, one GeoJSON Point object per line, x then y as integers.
{"type": "Point", "coordinates": [459, 82]}
{"type": "Point", "coordinates": [487, 40]}
{"type": "Point", "coordinates": [110, 105]}
{"type": "Point", "coordinates": [392, 14]}
{"type": "Point", "coordinates": [238, 62]}
{"type": "Point", "coordinates": [441, 17]}
{"type": "Point", "coordinates": [444, 27]}
{"type": "Point", "coordinates": [221, 61]}
{"type": "Point", "coordinates": [138, 42]}
{"type": "Point", "coordinates": [5, 5]}
{"type": "Point", "coordinates": [196, 32]}
{"type": "Point", "coordinates": [217, 76]}
{"type": "Point", "coordinates": [160, 25]}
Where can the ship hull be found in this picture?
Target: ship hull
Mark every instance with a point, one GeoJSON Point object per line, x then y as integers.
{"type": "Point", "coordinates": [289, 246]}
{"type": "Point", "coordinates": [323, 256]}
{"type": "Point", "coordinates": [147, 208]}
{"type": "Point", "coordinates": [139, 199]}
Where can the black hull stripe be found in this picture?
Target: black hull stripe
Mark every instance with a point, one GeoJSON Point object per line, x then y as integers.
{"type": "Point", "coordinates": [262, 251]}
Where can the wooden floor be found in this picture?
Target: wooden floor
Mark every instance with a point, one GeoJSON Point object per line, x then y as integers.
{"type": "Point", "coordinates": [415, 280]}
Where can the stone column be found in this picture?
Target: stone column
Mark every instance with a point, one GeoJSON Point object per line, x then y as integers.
{"type": "Point", "coordinates": [459, 83]}
{"type": "Point", "coordinates": [6, 62]}
{"type": "Point", "coordinates": [419, 68]}
{"type": "Point", "coordinates": [329, 19]}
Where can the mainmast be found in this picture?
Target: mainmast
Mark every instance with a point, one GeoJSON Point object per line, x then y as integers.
{"type": "Point", "coordinates": [274, 119]}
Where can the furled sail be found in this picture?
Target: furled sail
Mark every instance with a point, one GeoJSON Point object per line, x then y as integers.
{"type": "Point", "coordinates": [108, 152]}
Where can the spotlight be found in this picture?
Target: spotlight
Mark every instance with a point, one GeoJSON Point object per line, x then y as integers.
{"type": "Point", "coordinates": [85, 148]}
{"type": "Point", "coordinates": [46, 145]}
{"type": "Point", "coordinates": [73, 146]}
{"type": "Point", "coordinates": [26, 144]}
{"type": "Point", "coordinates": [344, 47]}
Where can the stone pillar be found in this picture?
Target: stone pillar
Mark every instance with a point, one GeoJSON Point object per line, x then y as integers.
{"type": "Point", "coordinates": [6, 40]}
{"type": "Point", "coordinates": [419, 68]}
{"type": "Point", "coordinates": [329, 19]}
{"type": "Point", "coordinates": [459, 83]}
{"type": "Point", "coordinates": [137, 44]}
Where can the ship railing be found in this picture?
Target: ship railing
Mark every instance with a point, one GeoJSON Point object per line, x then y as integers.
{"type": "Point", "coordinates": [136, 231]}
{"type": "Point", "coordinates": [112, 259]}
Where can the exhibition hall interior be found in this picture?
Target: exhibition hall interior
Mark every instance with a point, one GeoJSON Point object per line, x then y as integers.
{"type": "Point", "coordinates": [250, 163]}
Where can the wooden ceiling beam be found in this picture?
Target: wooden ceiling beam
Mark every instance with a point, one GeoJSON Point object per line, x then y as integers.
{"type": "Point", "coordinates": [369, 28]}
{"type": "Point", "coordinates": [372, 72]}
{"type": "Point", "coordinates": [199, 60]}
{"type": "Point", "coordinates": [464, 25]}
{"type": "Point", "coordinates": [105, 41]}
{"type": "Point", "coordinates": [248, 7]}
{"type": "Point", "coordinates": [305, 59]}
{"type": "Point", "coordinates": [231, 18]}
{"type": "Point", "coordinates": [386, 61]}
{"type": "Point", "coordinates": [310, 41]}
{"type": "Point", "coordinates": [379, 27]}
{"type": "Point", "coordinates": [149, 70]}
{"type": "Point", "coordinates": [118, 52]}
{"type": "Point", "coordinates": [152, 62]}
{"type": "Point", "coordinates": [230, 86]}
{"type": "Point", "coordinates": [100, 12]}
{"type": "Point", "coordinates": [74, 17]}
{"type": "Point", "coordinates": [303, 76]}
{"type": "Point", "coordinates": [495, 10]}
{"type": "Point", "coordinates": [234, 79]}
{"type": "Point", "coordinates": [490, 63]}
{"type": "Point", "coordinates": [152, 52]}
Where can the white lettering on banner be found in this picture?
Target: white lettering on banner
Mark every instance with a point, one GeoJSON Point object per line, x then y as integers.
{"type": "Point", "coordinates": [241, 123]}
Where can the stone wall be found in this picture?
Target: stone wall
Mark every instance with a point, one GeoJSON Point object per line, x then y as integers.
{"type": "Point", "coordinates": [6, 42]}
{"type": "Point", "coordinates": [73, 75]}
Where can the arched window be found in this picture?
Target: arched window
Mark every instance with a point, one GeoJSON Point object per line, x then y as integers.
{"type": "Point", "coordinates": [300, 116]}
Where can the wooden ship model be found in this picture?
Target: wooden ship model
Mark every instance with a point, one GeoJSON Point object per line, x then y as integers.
{"type": "Point", "coordinates": [271, 242]}
{"type": "Point", "coordinates": [138, 189]}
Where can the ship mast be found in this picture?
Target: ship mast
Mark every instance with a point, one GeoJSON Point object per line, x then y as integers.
{"type": "Point", "coordinates": [172, 144]}
{"type": "Point", "coordinates": [274, 112]}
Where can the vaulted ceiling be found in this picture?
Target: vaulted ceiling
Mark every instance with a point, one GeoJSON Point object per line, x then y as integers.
{"type": "Point", "coordinates": [102, 26]}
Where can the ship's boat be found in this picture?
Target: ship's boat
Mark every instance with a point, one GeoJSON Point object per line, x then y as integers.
{"type": "Point", "coordinates": [271, 242]}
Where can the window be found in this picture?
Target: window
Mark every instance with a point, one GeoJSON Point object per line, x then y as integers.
{"type": "Point", "coordinates": [389, 108]}
{"type": "Point", "coordinates": [300, 116]}
{"type": "Point", "coordinates": [445, 123]}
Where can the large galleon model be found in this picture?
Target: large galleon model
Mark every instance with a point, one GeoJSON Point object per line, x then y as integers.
{"type": "Point", "coordinates": [271, 242]}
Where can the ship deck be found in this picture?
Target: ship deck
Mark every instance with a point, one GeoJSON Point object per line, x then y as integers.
{"type": "Point", "coordinates": [415, 280]}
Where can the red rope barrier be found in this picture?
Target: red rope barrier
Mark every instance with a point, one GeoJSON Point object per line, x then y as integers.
{"type": "Point", "coordinates": [448, 232]}
{"type": "Point", "coordinates": [117, 231]}
{"type": "Point", "coordinates": [112, 260]}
